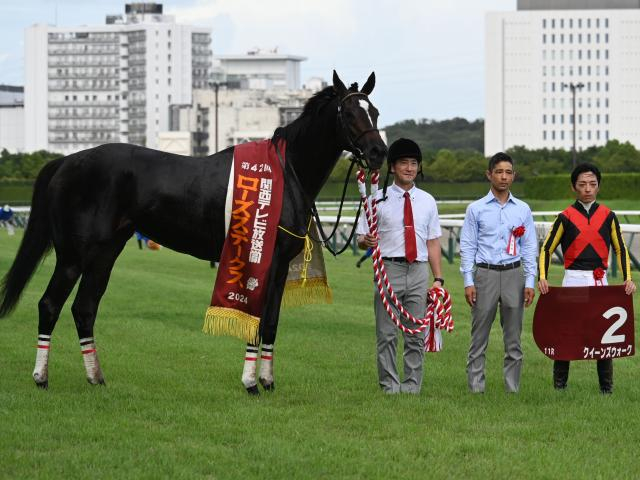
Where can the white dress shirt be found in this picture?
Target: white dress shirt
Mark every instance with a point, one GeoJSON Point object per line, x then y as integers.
{"type": "Point", "coordinates": [391, 221]}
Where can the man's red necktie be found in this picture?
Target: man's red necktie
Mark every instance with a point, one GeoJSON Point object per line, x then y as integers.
{"type": "Point", "coordinates": [411, 252]}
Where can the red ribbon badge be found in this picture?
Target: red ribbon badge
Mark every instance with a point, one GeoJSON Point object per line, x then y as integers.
{"type": "Point", "coordinates": [516, 232]}
{"type": "Point", "coordinates": [598, 275]}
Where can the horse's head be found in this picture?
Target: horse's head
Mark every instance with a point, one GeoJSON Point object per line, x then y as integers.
{"type": "Point", "coordinates": [358, 122]}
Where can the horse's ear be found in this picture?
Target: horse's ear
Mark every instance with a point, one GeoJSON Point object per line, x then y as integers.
{"type": "Point", "coordinates": [338, 86]}
{"type": "Point", "coordinates": [370, 83]}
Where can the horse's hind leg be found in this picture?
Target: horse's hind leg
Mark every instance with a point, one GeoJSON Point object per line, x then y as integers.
{"type": "Point", "coordinates": [65, 276]}
{"type": "Point", "coordinates": [93, 284]}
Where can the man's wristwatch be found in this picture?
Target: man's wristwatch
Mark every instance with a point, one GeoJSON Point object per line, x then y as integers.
{"type": "Point", "coordinates": [438, 279]}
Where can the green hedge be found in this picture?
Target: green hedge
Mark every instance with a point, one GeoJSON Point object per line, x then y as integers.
{"type": "Point", "coordinates": [613, 185]}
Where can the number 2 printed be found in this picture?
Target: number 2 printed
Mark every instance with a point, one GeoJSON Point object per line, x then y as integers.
{"type": "Point", "coordinates": [609, 336]}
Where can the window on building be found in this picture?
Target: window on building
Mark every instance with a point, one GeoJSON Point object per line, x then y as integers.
{"type": "Point", "coordinates": [579, 134]}
{"type": "Point", "coordinates": [579, 23]}
{"type": "Point", "coordinates": [606, 135]}
{"type": "Point", "coordinates": [544, 135]}
{"type": "Point", "coordinates": [553, 86]}
{"type": "Point", "coordinates": [544, 38]}
{"type": "Point", "coordinates": [597, 118]}
{"type": "Point", "coordinates": [553, 134]}
{"type": "Point", "coordinates": [579, 69]}
{"type": "Point", "coordinates": [579, 38]}
{"type": "Point", "coordinates": [606, 70]}
{"type": "Point", "coordinates": [606, 38]}
{"type": "Point", "coordinates": [571, 23]}
{"type": "Point", "coordinates": [571, 38]}
{"type": "Point", "coordinates": [561, 118]}
{"type": "Point", "coordinates": [553, 38]}
{"type": "Point", "coordinates": [562, 23]}
{"type": "Point", "coordinates": [597, 23]}
{"type": "Point", "coordinates": [588, 54]}
{"type": "Point", "coordinates": [580, 118]}
{"type": "Point", "coordinates": [544, 119]}
{"type": "Point", "coordinates": [579, 54]}
{"type": "Point", "coordinates": [553, 70]}
{"type": "Point", "coordinates": [553, 119]}
{"type": "Point", "coordinates": [570, 54]}
{"type": "Point", "coordinates": [597, 38]}
{"type": "Point", "coordinates": [561, 54]}
{"type": "Point", "coordinates": [553, 23]}
{"type": "Point", "coordinates": [606, 118]}
{"type": "Point", "coordinates": [606, 86]}
{"type": "Point", "coordinates": [597, 134]}
{"type": "Point", "coordinates": [588, 69]}
{"type": "Point", "coordinates": [606, 23]}
{"type": "Point", "coordinates": [561, 134]}
{"type": "Point", "coordinates": [588, 23]}
{"type": "Point", "coordinates": [544, 54]}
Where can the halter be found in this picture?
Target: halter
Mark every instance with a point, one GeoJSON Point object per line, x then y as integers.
{"type": "Point", "coordinates": [358, 154]}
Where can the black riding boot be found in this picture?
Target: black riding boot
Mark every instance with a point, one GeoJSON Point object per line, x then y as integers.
{"type": "Point", "coordinates": [560, 374]}
{"type": "Point", "coordinates": [605, 375]}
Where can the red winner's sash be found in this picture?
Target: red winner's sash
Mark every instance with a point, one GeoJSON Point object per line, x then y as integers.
{"type": "Point", "coordinates": [584, 323]}
{"type": "Point", "coordinates": [241, 284]}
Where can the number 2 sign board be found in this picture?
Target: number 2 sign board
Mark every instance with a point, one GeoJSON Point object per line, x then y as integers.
{"type": "Point", "coordinates": [584, 323]}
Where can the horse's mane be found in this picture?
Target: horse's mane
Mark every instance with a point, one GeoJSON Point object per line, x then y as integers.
{"type": "Point", "coordinates": [312, 108]}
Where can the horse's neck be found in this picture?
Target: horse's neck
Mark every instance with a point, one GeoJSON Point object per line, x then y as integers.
{"type": "Point", "coordinates": [313, 157]}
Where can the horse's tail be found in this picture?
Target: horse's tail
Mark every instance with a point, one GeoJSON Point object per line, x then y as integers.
{"type": "Point", "coordinates": [35, 242]}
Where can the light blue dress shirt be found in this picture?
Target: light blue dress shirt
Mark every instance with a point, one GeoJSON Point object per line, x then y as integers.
{"type": "Point", "coordinates": [486, 231]}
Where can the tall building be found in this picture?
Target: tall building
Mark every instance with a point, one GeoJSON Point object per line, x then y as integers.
{"type": "Point", "coordinates": [535, 55]}
{"type": "Point", "coordinates": [262, 70]}
{"type": "Point", "coordinates": [11, 118]}
{"type": "Point", "coordinates": [89, 85]}
{"type": "Point", "coordinates": [253, 94]}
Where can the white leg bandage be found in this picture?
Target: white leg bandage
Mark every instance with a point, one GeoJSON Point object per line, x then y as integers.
{"type": "Point", "coordinates": [90, 358]}
{"type": "Point", "coordinates": [266, 365]}
{"type": "Point", "coordinates": [41, 370]}
{"type": "Point", "coordinates": [249, 370]}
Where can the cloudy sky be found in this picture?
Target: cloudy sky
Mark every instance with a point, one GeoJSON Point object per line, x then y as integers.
{"type": "Point", "coordinates": [428, 55]}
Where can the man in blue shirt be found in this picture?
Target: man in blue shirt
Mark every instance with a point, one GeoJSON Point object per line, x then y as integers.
{"type": "Point", "coordinates": [497, 238]}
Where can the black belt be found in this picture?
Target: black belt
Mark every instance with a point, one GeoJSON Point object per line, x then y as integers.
{"type": "Point", "coordinates": [508, 266]}
{"type": "Point", "coordinates": [395, 259]}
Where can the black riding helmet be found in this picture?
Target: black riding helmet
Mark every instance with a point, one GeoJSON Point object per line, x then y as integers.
{"type": "Point", "coordinates": [401, 148]}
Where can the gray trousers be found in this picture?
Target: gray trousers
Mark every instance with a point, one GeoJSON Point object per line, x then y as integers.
{"type": "Point", "coordinates": [410, 283]}
{"type": "Point", "coordinates": [492, 288]}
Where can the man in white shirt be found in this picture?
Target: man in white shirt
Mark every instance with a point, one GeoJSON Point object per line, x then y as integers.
{"type": "Point", "coordinates": [409, 237]}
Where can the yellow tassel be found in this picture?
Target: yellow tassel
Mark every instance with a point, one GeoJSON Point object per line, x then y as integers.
{"type": "Point", "coordinates": [308, 291]}
{"type": "Point", "coordinates": [229, 321]}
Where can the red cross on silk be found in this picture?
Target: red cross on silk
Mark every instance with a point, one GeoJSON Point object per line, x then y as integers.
{"type": "Point", "coordinates": [589, 229]}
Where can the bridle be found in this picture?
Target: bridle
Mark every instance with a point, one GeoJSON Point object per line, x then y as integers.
{"type": "Point", "coordinates": [352, 143]}
{"type": "Point", "coordinates": [358, 158]}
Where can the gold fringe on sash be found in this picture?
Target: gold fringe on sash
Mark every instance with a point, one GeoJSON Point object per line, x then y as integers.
{"type": "Point", "coordinates": [229, 321]}
{"type": "Point", "coordinates": [306, 292]}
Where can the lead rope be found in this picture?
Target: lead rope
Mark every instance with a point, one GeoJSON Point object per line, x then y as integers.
{"type": "Point", "coordinates": [438, 313]}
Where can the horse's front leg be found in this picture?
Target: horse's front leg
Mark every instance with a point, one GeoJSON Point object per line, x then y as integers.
{"type": "Point", "coordinates": [268, 328]}
{"type": "Point", "coordinates": [249, 370]}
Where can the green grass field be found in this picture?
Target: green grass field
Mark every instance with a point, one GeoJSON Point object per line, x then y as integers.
{"type": "Point", "coordinates": [174, 406]}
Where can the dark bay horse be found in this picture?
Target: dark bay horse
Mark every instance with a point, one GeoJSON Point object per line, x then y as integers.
{"type": "Point", "coordinates": [88, 204]}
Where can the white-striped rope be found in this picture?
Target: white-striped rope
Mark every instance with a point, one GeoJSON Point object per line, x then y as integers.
{"type": "Point", "coordinates": [438, 313]}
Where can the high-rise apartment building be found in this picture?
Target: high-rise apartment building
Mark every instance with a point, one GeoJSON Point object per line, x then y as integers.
{"type": "Point", "coordinates": [535, 55]}
{"type": "Point", "coordinates": [89, 85]}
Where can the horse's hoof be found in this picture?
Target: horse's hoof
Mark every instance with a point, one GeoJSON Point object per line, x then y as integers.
{"type": "Point", "coordinates": [98, 381]}
{"type": "Point", "coordinates": [268, 387]}
{"type": "Point", "coordinates": [253, 390]}
{"type": "Point", "coordinates": [43, 385]}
